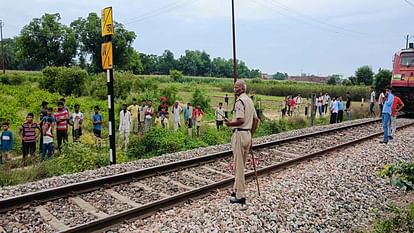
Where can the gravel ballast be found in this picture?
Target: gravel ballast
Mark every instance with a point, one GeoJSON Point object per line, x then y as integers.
{"type": "Point", "coordinates": [336, 193]}
{"type": "Point", "coordinates": [53, 182]}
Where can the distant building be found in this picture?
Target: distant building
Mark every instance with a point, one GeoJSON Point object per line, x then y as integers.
{"type": "Point", "coordinates": [265, 76]}
{"type": "Point", "coordinates": [309, 78]}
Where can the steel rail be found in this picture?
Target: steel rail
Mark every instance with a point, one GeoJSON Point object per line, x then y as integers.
{"type": "Point", "coordinates": [153, 207]}
{"type": "Point", "coordinates": [45, 195]}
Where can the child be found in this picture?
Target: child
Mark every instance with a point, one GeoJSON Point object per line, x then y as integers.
{"type": "Point", "coordinates": [6, 142]}
{"type": "Point", "coordinates": [76, 121]}
{"type": "Point", "coordinates": [48, 144]}
{"type": "Point", "coordinates": [29, 132]}
{"type": "Point", "coordinates": [198, 117]}
{"type": "Point", "coordinates": [97, 122]}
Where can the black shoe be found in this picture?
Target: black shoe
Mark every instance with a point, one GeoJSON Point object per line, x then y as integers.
{"type": "Point", "coordinates": [234, 200]}
{"type": "Point", "coordinates": [385, 142]}
{"type": "Point", "coordinates": [390, 137]}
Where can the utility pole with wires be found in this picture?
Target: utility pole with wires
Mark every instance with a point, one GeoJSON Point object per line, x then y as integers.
{"type": "Point", "coordinates": [234, 42]}
{"type": "Point", "coordinates": [2, 47]}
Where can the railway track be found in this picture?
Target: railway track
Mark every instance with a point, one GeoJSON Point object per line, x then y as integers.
{"type": "Point", "coordinates": [97, 204]}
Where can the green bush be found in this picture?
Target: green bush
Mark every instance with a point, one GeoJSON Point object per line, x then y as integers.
{"type": "Point", "coordinates": [200, 98]}
{"type": "Point", "coordinates": [401, 174]}
{"type": "Point", "coordinates": [14, 177]}
{"type": "Point", "coordinates": [171, 93]}
{"type": "Point", "coordinates": [176, 76]}
{"type": "Point", "coordinates": [65, 81]}
{"type": "Point", "coordinates": [398, 220]}
{"type": "Point", "coordinates": [13, 78]}
{"type": "Point", "coordinates": [297, 122]}
{"type": "Point", "coordinates": [75, 157]}
{"type": "Point", "coordinates": [159, 141]}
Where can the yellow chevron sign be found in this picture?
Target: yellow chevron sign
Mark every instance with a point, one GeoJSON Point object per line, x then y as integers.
{"type": "Point", "coordinates": [106, 55]}
{"type": "Point", "coordinates": [107, 22]}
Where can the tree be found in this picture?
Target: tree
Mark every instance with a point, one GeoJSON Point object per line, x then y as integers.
{"type": "Point", "coordinates": [364, 75]}
{"type": "Point", "coordinates": [149, 63]}
{"type": "Point", "coordinates": [166, 62]}
{"type": "Point", "coordinates": [46, 42]}
{"type": "Point", "coordinates": [10, 50]}
{"type": "Point", "coordinates": [331, 80]}
{"type": "Point", "coordinates": [280, 76]}
{"type": "Point", "coordinates": [191, 62]}
{"type": "Point", "coordinates": [382, 79]}
{"type": "Point", "coordinates": [88, 32]}
{"type": "Point", "coordinates": [353, 80]}
{"type": "Point", "coordinates": [133, 62]}
{"type": "Point", "coordinates": [347, 82]}
{"type": "Point", "coordinates": [221, 68]}
{"type": "Point", "coordinates": [200, 98]}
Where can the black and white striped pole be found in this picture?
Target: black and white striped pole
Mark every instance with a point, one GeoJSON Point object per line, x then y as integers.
{"type": "Point", "coordinates": [107, 64]}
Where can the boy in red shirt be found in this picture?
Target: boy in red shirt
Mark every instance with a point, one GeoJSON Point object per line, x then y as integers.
{"type": "Point", "coordinates": [397, 105]}
{"type": "Point", "coordinates": [62, 117]}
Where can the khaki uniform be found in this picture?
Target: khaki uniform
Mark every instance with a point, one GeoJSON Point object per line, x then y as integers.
{"type": "Point", "coordinates": [241, 139]}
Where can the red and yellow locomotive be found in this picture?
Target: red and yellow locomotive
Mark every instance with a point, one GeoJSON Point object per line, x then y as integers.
{"type": "Point", "coordinates": [402, 80]}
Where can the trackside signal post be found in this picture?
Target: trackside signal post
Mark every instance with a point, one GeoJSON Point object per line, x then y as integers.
{"type": "Point", "coordinates": [107, 27]}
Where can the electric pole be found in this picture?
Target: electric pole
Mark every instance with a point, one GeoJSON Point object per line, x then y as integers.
{"type": "Point", "coordinates": [2, 47]}
{"type": "Point", "coordinates": [234, 43]}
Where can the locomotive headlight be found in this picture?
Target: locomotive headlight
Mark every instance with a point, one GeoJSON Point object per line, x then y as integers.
{"type": "Point", "coordinates": [397, 77]}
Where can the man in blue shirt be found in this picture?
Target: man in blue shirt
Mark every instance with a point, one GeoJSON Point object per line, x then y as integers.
{"type": "Point", "coordinates": [386, 113]}
{"type": "Point", "coordinates": [340, 110]}
{"type": "Point", "coordinates": [97, 122]}
{"type": "Point", "coordinates": [6, 142]}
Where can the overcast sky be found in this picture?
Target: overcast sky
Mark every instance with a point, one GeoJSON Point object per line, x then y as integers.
{"type": "Point", "coordinates": [311, 36]}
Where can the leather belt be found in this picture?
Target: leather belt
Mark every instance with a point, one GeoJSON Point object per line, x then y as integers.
{"type": "Point", "coordinates": [238, 129]}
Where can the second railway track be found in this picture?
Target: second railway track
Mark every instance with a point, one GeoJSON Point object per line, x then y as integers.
{"type": "Point", "coordinates": [97, 204]}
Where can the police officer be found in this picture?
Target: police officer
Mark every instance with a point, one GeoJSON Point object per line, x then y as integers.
{"type": "Point", "coordinates": [244, 125]}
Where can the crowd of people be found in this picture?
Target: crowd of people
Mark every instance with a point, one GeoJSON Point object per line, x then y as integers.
{"type": "Point", "coordinates": [292, 105]}
{"type": "Point", "coordinates": [52, 124]}
{"type": "Point", "coordinates": [138, 119]}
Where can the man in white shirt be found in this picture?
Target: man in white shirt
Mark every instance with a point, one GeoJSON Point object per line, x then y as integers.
{"type": "Point", "coordinates": [381, 101]}
{"type": "Point", "coordinates": [298, 101]}
{"type": "Point", "coordinates": [326, 99]}
{"type": "Point", "coordinates": [76, 120]}
{"type": "Point", "coordinates": [334, 110]}
{"type": "Point", "coordinates": [176, 110]}
{"type": "Point", "coordinates": [141, 116]}
{"type": "Point", "coordinates": [124, 127]}
{"type": "Point", "coordinates": [320, 104]}
{"type": "Point", "coordinates": [219, 116]}
{"type": "Point", "coordinates": [372, 102]}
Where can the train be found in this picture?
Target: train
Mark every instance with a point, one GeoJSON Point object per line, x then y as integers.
{"type": "Point", "coordinates": [402, 80]}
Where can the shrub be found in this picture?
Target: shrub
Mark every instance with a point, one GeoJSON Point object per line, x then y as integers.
{"type": "Point", "coordinates": [397, 220]}
{"type": "Point", "coordinates": [66, 81]}
{"type": "Point", "coordinates": [297, 122]}
{"type": "Point", "coordinates": [171, 94]}
{"type": "Point", "coordinates": [200, 98]}
{"type": "Point", "coordinates": [400, 174]}
{"type": "Point", "coordinates": [176, 76]}
{"type": "Point", "coordinates": [12, 78]}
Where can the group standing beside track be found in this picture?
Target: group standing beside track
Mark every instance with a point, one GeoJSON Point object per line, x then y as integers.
{"type": "Point", "coordinates": [53, 126]}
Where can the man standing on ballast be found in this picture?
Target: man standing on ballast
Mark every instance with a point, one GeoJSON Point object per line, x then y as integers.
{"type": "Point", "coordinates": [244, 125]}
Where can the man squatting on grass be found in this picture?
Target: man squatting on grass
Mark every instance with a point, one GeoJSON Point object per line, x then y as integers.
{"type": "Point", "coordinates": [244, 125]}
